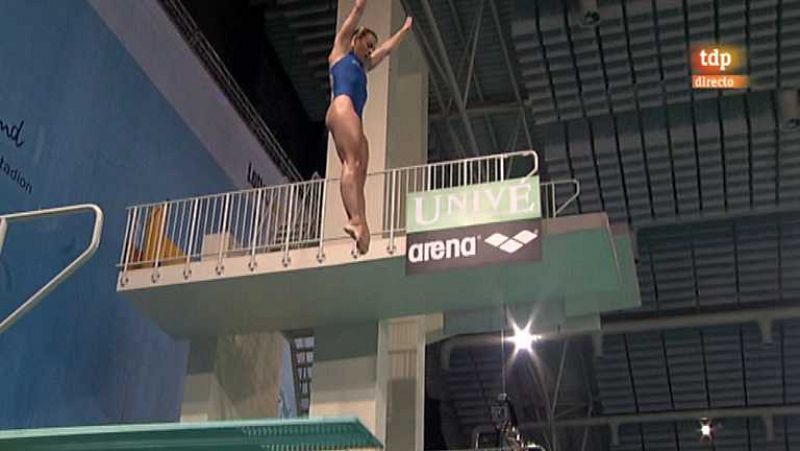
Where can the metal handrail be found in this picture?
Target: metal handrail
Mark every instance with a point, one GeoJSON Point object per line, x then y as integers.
{"type": "Point", "coordinates": [68, 270]}
{"type": "Point", "coordinates": [429, 166]}
{"type": "Point", "coordinates": [286, 217]}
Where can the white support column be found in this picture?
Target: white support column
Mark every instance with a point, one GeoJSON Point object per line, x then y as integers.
{"type": "Point", "coordinates": [352, 364]}
{"type": "Point", "coordinates": [350, 374]}
{"type": "Point", "coordinates": [375, 371]}
{"type": "Point", "coordinates": [406, 388]}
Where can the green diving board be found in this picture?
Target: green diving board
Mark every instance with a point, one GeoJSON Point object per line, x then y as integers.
{"type": "Point", "coordinates": [248, 435]}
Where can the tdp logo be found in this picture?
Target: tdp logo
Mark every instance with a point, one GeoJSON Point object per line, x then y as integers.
{"type": "Point", "coordinates": [716, 58]}
{"type": "Point", "coordinates": [717, 67]}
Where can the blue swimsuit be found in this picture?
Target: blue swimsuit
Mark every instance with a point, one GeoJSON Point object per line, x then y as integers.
{"type": "Point", "coordinates": [350, 79]}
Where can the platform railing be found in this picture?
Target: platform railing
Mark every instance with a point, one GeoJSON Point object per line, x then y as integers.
{"type": "Point", "coordinates": [287, 217]}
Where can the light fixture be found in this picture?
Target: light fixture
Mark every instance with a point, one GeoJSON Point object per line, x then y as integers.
{"type": "Point", "coordinates": [523, 339]}
{"type": "Point", "coordinates": [706, 430]}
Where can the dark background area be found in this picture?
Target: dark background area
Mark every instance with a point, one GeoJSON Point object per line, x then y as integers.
{"type": "Point", "coordinates": [235, 29]}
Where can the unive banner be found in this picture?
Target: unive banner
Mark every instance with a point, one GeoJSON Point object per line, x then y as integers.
{"type": "Point", "coordinates": [485, 203]}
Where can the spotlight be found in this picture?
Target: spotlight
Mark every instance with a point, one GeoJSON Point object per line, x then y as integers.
{"type": "Point", "coordinates": [523, 339]}
{"type": "Point", "coordinates": [706, 430]}
{"type": "Point", "coordinates": [789, 109]}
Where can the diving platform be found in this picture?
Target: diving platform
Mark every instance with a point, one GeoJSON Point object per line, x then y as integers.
{"type": "Point", "coordinates": [267, 259]}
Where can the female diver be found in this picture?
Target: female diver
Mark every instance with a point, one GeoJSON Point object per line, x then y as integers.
{"type": "Point", "coordinates": [354, 53]}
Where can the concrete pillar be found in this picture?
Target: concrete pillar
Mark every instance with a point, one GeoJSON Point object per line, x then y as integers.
{"type": "Point", "coordinates": [352, 364]}
{"type": "Point", "coordinates": [350, 374]}
{"type": "Point", "coordinates": [234, 377]}
{"type": "Point", "coordinates": [406, 386]}
{"type": "Point", "coordinates": [375, 371]}
{"type": "Point", "coordinates": [395, 118]}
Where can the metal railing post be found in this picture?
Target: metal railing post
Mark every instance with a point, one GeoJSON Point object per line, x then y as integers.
{"type": "Point", "coordinates": [130, 237]}
{"type": "Point", "coordinates": [392, 202]}
{"type": "Point", "coordinates": [300, 206]}
{"type": "Point", "coordinates": [254, 233]}
{"type": "Point", "coordinates": [160, 242]}
{"type": "Point", "coordinates": [222, 237]}
{"type": "Point", "coordinates": [288, 229]}
{"type": "Point", "coordinates": [323, 204]}
{"type": "Point", "coordinates": [577, 193]}
{"type": "Point", "coordinates": [266, 228]}
{"type": "Point", "coordinates": [187, 270]}
{"type": "Point", "coordinates": [126, 238]}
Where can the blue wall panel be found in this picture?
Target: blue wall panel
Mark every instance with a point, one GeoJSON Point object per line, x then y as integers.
{"type": "Point", "coordinates": [93, 129]}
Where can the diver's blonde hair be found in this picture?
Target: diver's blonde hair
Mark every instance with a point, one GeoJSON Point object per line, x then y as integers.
{"type": "Point", "coordinates": [363, 31]}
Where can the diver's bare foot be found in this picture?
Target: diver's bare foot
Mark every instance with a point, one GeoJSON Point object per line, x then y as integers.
{"type": "Point", "coordinates": [350, 230]}
{"type": "Point", "coordinates": [362, 243]}
{"type": "Point", "coordinates": [359, 234]}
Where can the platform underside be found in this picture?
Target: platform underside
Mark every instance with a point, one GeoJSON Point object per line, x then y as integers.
{"type": "Point", "coordinates": [584, 266]}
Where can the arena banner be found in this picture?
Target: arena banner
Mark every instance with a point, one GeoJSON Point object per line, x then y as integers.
{"type": "Point", "coordinates": [474, 225]}
{"type": "Point", "coordinates": [466, 247]}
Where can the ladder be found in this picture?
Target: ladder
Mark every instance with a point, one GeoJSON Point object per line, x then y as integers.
{"type": "Point", "coordinates": [301, 343]}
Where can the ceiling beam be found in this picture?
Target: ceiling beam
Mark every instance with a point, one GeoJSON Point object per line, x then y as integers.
{"type": "Point", "coordinates": [433, 63]}
{"type": "Point", "coordinates": [450, 76]}
{"type": "Point", "coordinates": [763, 317]}
{"type": "Point", "coordinates": [730, 216]}
{"type": "Point", "coordinates": [512, 76]}
{"type": "Point", "coordinates": [506, 106]}
{"type": "Point", "coordinates": [471, 75]}
{"type": "Point", "coordinates": [614, 421]}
